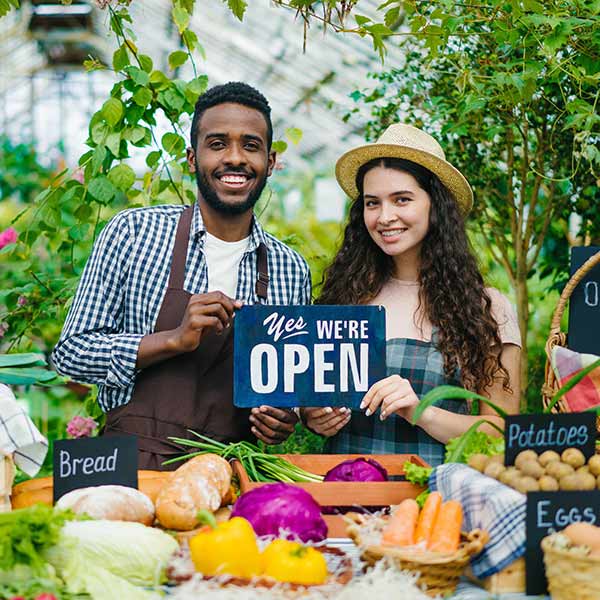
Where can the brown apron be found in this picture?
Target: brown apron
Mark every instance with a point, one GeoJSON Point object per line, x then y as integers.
{"type": "Point", "coordinates": [193, 390]}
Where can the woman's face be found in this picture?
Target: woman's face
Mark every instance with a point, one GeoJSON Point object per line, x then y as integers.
{"type": "Point", "coordinates": [396, 212]}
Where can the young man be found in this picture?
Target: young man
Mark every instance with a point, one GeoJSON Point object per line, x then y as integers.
{"type": "Point", "coordinates": [151, 323]}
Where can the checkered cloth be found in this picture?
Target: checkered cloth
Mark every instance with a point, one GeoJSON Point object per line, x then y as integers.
{"type": "Point", "coordinates": [488, 505]}
{"type": "Point", "coordinates": [566, 364]}
{"type": "Point", "coordinates": [19, 436]}
{"type": "Point", "coordinates": [423, 365]}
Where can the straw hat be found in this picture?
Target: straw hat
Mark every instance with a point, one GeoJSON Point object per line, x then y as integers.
{"type": "Point", "coordinates": [410, 143]}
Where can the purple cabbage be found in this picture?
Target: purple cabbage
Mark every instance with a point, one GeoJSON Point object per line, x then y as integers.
{"type": "Point", "coordinates": [280, 506]}
{"type": "Point", "coordinates": [357, 469]}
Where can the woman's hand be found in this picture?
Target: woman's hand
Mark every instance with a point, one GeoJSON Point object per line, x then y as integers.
{"type": "Point", "coordinates": [393, 394]}
{"type": "Point", "coordinates": [325, 421]}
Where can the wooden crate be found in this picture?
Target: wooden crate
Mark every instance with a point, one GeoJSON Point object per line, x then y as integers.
{"type": "Point", "coordinates": [511, 580]}
{"type": "Point", "coordinates": [346, 493]}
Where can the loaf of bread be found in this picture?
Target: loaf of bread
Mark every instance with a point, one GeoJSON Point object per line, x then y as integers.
{"type": "Point", "coordinates": [112, 502]}
{"type": "Point", "coordinates": [199, 484]}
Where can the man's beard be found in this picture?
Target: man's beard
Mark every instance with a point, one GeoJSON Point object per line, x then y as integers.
{"type": "Point", "coordinates": [212, 198]}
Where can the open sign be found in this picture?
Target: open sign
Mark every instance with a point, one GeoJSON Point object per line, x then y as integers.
{"type": "Point", "coordinates": [307, 355]}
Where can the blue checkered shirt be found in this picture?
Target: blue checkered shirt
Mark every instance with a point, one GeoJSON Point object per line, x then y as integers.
{"type": "Point", "coordinates": [123, 285]}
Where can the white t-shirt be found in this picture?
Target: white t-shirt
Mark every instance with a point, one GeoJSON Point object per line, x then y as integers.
{"type": "Point", "coordinates": [223, 261]}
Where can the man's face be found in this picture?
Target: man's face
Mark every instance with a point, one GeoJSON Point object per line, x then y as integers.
{"type": "Point", "coordinates": [231, 160]}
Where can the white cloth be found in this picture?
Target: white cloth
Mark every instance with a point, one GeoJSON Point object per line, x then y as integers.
{"type": "Point", "coordinates": [223, 261]}
{"type": "Point", "coordinates": [19, 436]}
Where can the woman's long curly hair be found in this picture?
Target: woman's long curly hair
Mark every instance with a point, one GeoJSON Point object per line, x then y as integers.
{"type": "Point", "coordinates": [451, 293]}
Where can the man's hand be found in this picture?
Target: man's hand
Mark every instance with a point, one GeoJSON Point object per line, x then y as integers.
{"type": "Point", "coordinates": [272, 425]}
{"type": "Point", "coordinates": [204, 312]}
{"type": "Point", "coordinates": [325, 421]}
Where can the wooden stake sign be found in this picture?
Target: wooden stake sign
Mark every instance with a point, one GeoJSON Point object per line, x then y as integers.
{"type": "Point", "coordinates": [307, 355]}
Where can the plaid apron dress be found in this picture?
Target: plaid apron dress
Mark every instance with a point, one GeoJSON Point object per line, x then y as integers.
{"type": "Point", "coordinates": [423, 365]}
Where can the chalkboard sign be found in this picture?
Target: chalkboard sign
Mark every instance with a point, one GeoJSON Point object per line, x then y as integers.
{"type": "Point", "coordinates": [549, 432]}
{"type": "Point", "coordinates": [584, 305]}
{"type": "Point", "coordinates": [307, 355]}
{"type": "Point", "coordinates": [548, 512]}
{"type": "Point", "coordinates": [86, 462]}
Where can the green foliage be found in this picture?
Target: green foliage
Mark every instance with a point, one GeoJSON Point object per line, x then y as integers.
{"type": "Point", "coordinates": [472, 441]}
{"type": "Point", "coordinates": [416, 474]}
{"type": "Point", "coordinates": [24, 369]}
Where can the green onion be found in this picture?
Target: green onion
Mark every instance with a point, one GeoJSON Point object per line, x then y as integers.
{"type": "Point", "coordinates": [259, 465]}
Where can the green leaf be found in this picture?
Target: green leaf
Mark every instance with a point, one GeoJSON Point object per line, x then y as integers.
{"type": "Point", "coordinates": [113, 142]}
{"type": "Point", "coordinates": [122, 177]}
{"type": "Point", "coordinates": [198, 85]}
{"type": "Point", "coordinates": [294, 135]}
{"type": "Point", "coordinates": [174, 144]}
{"type": "Point", "coordinates": [237, 7]}
{"type": "Point", "coordinates": [450, 392]}
{"type": "Point", "coordinates": [29, 359]}
{"type": "Point", "coordinates": [120, 59]}
{"type": "Point", "coordinates": [98, 158]}
{"type": "Point", "coordinates": [146, 62]}
{"type": "Point", "coordinates": [112, 111]}
{"type": "Point", "coordinates": [361, 20]}
{"type": "Point", "coordinates": [181, 17]}
{"type": "Point", "coordinates": [142, 96]}
{"type": "Point", "coordinates": [153, 158]}
{"type": "Point", "coordinates": [571, 384]}
{"type": "Point", "coordinates": [457, 454]}
{"type": "Point", "coordinates": [279, 146]}
{"type": "Point", "coordinates": [177, 58]}
{"type": "Point", "coordinates": [102, 189]}
{"type": "Point", "coordinates": [26, 376]}
{"type": "Point", "coordinates": [138, 76]}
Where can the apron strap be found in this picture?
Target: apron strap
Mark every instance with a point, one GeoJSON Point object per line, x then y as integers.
{"type": "Point", "coordinates": [177, 275]}
{"type": "Point", "coordinates": [262, 282]}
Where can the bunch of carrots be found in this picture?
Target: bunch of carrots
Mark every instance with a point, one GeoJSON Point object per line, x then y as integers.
{"type": "Point", "coordinates": [436, 527]}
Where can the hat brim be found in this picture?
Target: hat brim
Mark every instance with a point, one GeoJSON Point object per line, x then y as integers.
{"type": "Point", "coordinates": [349, 163]}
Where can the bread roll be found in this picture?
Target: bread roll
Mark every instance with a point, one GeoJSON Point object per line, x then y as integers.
{"type": "Point", "coordinates": [199, 484]}
{"type": "Point", "coordinates": [112, 502]}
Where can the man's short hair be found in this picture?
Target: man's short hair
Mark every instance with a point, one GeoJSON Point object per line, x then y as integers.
{"type": "Point", "coordinates": [235, 92]}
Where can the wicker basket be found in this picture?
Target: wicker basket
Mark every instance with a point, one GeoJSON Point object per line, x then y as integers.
{"type": "Point", "coordinates": [570, 575]}
{"type": "Point", "coordinates": [438, 573]}
{"type": "Point", "coordinates": [559, 338]}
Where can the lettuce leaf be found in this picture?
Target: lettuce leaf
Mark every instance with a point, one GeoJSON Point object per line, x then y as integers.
{"type": "Point", "coordinates": [478, 442]}
{"type": "Point", "coordinates": [416, 474]}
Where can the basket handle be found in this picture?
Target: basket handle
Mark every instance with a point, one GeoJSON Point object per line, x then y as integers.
{"type": "Point", "coordinates": [588, 265]}
{"type": "Point", "coordinates": [476, 540]}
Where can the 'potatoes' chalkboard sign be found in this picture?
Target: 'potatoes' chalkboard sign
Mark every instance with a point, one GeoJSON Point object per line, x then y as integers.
{"type": "Point", "coordinates": [307, 355]}
{"type": "Point", "coordinates": [584, 305]}
{"type": "Point", "coordinates": [549, 432]}
{"type": "Point", "coordinates": [86, 462]}
{"type": "Point", "coordinates": [548, 512]}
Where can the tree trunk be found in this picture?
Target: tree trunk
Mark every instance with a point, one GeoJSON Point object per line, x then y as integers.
{"type": "Point", "coordinates": [522, 294]}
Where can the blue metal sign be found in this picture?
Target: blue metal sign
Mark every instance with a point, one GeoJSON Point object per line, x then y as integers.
{"type": "Point", "coordinates": [307, 355]}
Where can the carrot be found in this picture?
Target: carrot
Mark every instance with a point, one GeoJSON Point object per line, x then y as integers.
{"type": "Point", "coordinates": [400, 529]}
{"type": "Point", "coordinates": [428, 517]}
{"type": "Point", "coordinates": [445, 536]}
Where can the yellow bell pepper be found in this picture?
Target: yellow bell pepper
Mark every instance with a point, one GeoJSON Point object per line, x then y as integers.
{"type": "Point", "coordinates": [294, 563]}
{"type": "Point", "coordinates": [229, 548]}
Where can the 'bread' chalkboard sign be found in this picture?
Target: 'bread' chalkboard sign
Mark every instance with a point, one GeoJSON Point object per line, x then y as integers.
{"type": "Point", "coordinates": [584, 305]}
{"type": "Point", "coordinates": [111, 460]}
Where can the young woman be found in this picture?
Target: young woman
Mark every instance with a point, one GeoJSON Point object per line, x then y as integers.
{"type": "Point", "coordinates": [405, 248]}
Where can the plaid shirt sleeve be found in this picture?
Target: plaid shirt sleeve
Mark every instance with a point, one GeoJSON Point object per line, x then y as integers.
{"type": "Point", "coordinates": [305, 291]}
{"type": "Point", "coordinates": [93, 347]}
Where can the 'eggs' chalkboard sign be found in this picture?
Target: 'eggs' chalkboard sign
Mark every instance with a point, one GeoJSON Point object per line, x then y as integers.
{"type": "Point", "coordinates": [584, 305]}
{"type": "Point", "coordinates": [549, 512]}
{"type": "Point", "coordinates": [549, 432]}
{"type": "Point", "coordinates": [86, 462]}
{"type": "Point", "coordinates": [307, 355]}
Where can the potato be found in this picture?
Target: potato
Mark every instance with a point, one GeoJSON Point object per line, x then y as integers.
{"type": "Point", "coordinates": [532, 468]}
{"type": "Point", "coordinates": [548, 484]}
{"type": "Point", "coordinates": [569, 482]}
{"type": "Point", "coordinates": [559, 469]}
{"type": "Point", "coordinates": [497, 458]}
{"type": "Point", "coordinates": [573, 457]}
{"type": "Point", "coordinates": [548, 457]}
{"type": "Point", "coordinates": [478, 462]}
{"type": "Point", "coordinates": [494, 470]}
{"type": "Point", "coordinates": [525, 455]}
{"type": "Point", "coordinates": [584, 469]}
{"type": "Point", "coordinates": [594, 464]}
{"type": "Point", "coordinates": [586, 481]}
{"type": "Point", "coordinates": [527, 484]}
{"type": "Point", "coordinates": [509, 475]}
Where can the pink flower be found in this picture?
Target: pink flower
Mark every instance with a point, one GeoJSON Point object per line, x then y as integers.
{"type": "Point", "coordinates": [79, 427]}
{"type": "Point", "coordinates": [8, 236]}
{"type": "Point", "coordinates": [21, 301]}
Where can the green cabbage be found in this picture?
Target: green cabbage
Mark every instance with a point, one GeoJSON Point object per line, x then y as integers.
{"type": "Point", "coordinates": [130, 552]}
